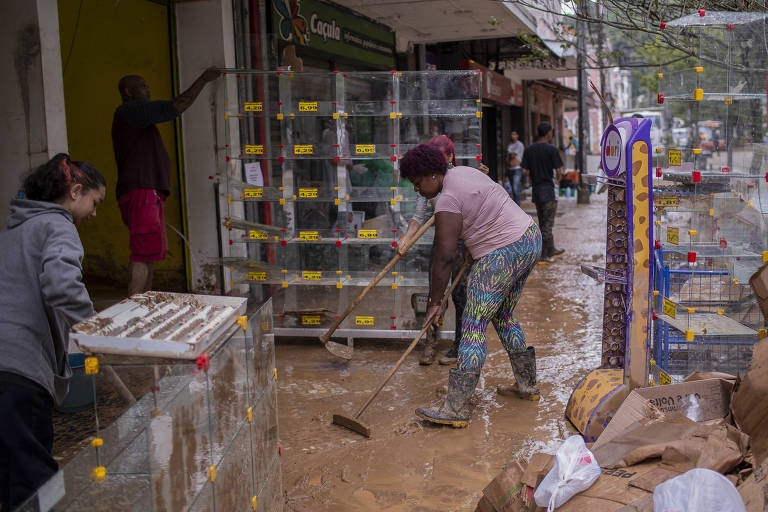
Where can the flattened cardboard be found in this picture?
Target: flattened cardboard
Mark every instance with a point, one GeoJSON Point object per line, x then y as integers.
{"type": "Point", "coordinates": [709, 375]}
{"type": "Point", "coordinates": [644, 504]}
{"type": "Point", "coordinates": [701, 400]}
{"type": "Point", "coordinates": [537, 469]}
{"type": "Point", "coordinates": [759, 284]}
{"type": "Point", "coordinates": [484, 505]}
{"type": "Point", "coordinates": [615, 489]}
{"type": "Point", "coordinates": [678, 441]}
{"type": "Point", "coordinates": [750, 403]}
{"type": "Point", "coordinates": [754, 494]}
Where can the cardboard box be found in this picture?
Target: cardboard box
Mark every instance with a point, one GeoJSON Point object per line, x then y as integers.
{"type": "Point", "coordinates": [750, 403]}
{"type": "Point", "coordinates": [701, 400]}
{"type": "Point", "coordinates": [507, 493]}
{"type": "Point", "coordinates": [623, 489]}
{"type": "Point", "coordinates": [759, 284]}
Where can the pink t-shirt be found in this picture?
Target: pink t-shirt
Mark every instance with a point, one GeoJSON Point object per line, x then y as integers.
{"type": "Point", "coordinates": [490, 218]}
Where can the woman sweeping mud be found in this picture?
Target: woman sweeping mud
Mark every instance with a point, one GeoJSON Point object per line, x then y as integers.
{"type": "Point", "coordinates": [505, 244]}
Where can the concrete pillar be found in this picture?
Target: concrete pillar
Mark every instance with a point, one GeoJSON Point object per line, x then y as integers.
{"type": "Point", "coordinates": [32, 94]}
{"type": "Point", "coordinates": [205, 37]}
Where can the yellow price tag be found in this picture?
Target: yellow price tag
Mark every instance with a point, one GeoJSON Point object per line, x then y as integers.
{"type": "Point", "coordinates": [309, 235]}
{"type": "Point", "coordinates": [257, 276]}
{"type": "Point", "coordinates": [666, 202]}
{"type": "Point", "coordinates": [311, 275]}
{"type": "Point", "coordinates": [303, 149]}
{"type": "Point", "coordinates": [253, 193]}
{"type": "Point", "coordinates": [669, 308]}
{"type": "Point", "coordinates": [673, 236]}
{"type": "Point", "coordinates": [307, 106]}
{"type": "Point", "coordinates": [254, 149]}
{"type": "Point", "coordinates": [368, 234]}
{"type": "Point", "coordinates": [365, 149]}
{"type": "Point", "coordinates": [253, 106]}
{"type": "Point", "coordinates": [257, 235]}
{"type": "Point", "coordinates": [366, 321]}
{"type": "Point", "coordinates": [675, 157]}
{"type": "Point", "coordinates": [310, 320]}
{"type": "Point", "coordinates": [307, 193]}
{"type": "Point", "coordinates": [664, 377]}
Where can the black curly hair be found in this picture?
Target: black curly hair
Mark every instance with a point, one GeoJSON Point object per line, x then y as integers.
{"type": "Point", "coordinates": [52, 180]}
{"type": "Point", "coordinates": [423, 160]}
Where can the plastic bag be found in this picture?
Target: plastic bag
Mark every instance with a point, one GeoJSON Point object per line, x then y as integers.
{"type": "Point", "coordinates": [699, 490]}
{"type": "Point", "coordinates": [575, 470]}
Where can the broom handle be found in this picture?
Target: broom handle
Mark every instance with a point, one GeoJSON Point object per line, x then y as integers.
{"type": "Point", "coordinates": [443, 302]}
{"type": "Point", "coordinates": [325, 337]}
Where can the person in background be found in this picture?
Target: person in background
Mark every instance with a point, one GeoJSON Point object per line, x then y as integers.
{"type": "Point", "coordinates": [515, 152]}
{"type": "Point", "coordinates": [543, 164]}
{"type": "Point", "coordinates": [43, 296]}
{"type": "Point", "coordinates": [504, 244]}
{"type": "Point", "coordinates": [144, 170]}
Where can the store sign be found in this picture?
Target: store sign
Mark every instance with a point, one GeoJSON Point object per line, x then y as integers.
{"type": "Point", "coordinates": [333, 30]}
{"type": "Point", "coordinates": [496, 88]}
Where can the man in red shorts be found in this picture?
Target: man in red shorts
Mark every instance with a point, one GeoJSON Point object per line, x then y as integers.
{"type": "Point", "coordinates": [144, 170]}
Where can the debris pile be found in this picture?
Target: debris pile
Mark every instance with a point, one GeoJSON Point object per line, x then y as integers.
{"type": "Point", "coordinates": [712, 422]}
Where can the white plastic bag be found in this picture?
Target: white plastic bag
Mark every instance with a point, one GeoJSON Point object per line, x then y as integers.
{"type": "Point", "coordinates": [575, 470]}
{"type": "Point", "coordinates": [698, 490]}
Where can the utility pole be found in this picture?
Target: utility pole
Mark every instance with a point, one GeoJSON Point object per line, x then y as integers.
{"type": "Point", "coordinates": [581, 50]}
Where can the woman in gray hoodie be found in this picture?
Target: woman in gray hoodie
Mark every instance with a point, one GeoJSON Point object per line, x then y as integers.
{"type": "Point", "coordinates": [42, 295]}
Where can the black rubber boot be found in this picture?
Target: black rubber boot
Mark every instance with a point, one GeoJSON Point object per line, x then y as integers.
{"type": "Point", "coordinates": [454, 410]}
{"type": "Point", "coordinates": [524, 368]}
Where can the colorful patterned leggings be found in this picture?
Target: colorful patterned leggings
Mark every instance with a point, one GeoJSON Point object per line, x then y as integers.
{"type": "Point", "coordinates": [495, 283]}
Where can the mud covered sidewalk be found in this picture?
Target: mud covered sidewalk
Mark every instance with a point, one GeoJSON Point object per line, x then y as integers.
{"type": "Point", "coordinates": [408, 465]}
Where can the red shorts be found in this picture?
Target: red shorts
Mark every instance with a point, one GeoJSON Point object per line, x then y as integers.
{"type": "Point", "coordinates": [142, 210]}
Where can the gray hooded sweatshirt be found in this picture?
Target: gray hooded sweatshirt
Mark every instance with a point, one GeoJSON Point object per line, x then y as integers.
{"type": "Point", "coordinates": [41, 293]}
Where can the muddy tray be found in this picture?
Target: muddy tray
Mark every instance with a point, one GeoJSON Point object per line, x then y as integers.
{"type": "Point", "coordinates": [159, 324]}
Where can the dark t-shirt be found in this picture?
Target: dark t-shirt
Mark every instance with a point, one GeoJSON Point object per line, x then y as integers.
{"type": "Point", "coordinates": [142, 161]}
{"type": "Point", "coordinates": [541, 159]}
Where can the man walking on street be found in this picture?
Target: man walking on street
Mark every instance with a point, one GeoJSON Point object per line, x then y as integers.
{"type": "Point", "coordinates": [144, 170]}
{"type": "Point", "coordinates": [514, 171]}
{"type": "Point", "coordinates": [543, 164]}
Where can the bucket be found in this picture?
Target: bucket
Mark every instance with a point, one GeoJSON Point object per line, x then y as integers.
{"type": "Point", "coordinates": [80, 394]}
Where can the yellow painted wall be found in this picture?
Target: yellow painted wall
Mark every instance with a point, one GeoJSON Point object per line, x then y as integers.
{"type": "Point", "coordinates": [101, 41]}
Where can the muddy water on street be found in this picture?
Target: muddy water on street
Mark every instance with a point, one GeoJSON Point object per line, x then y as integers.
{"type": "Point", "coordinates": [408, 465]}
